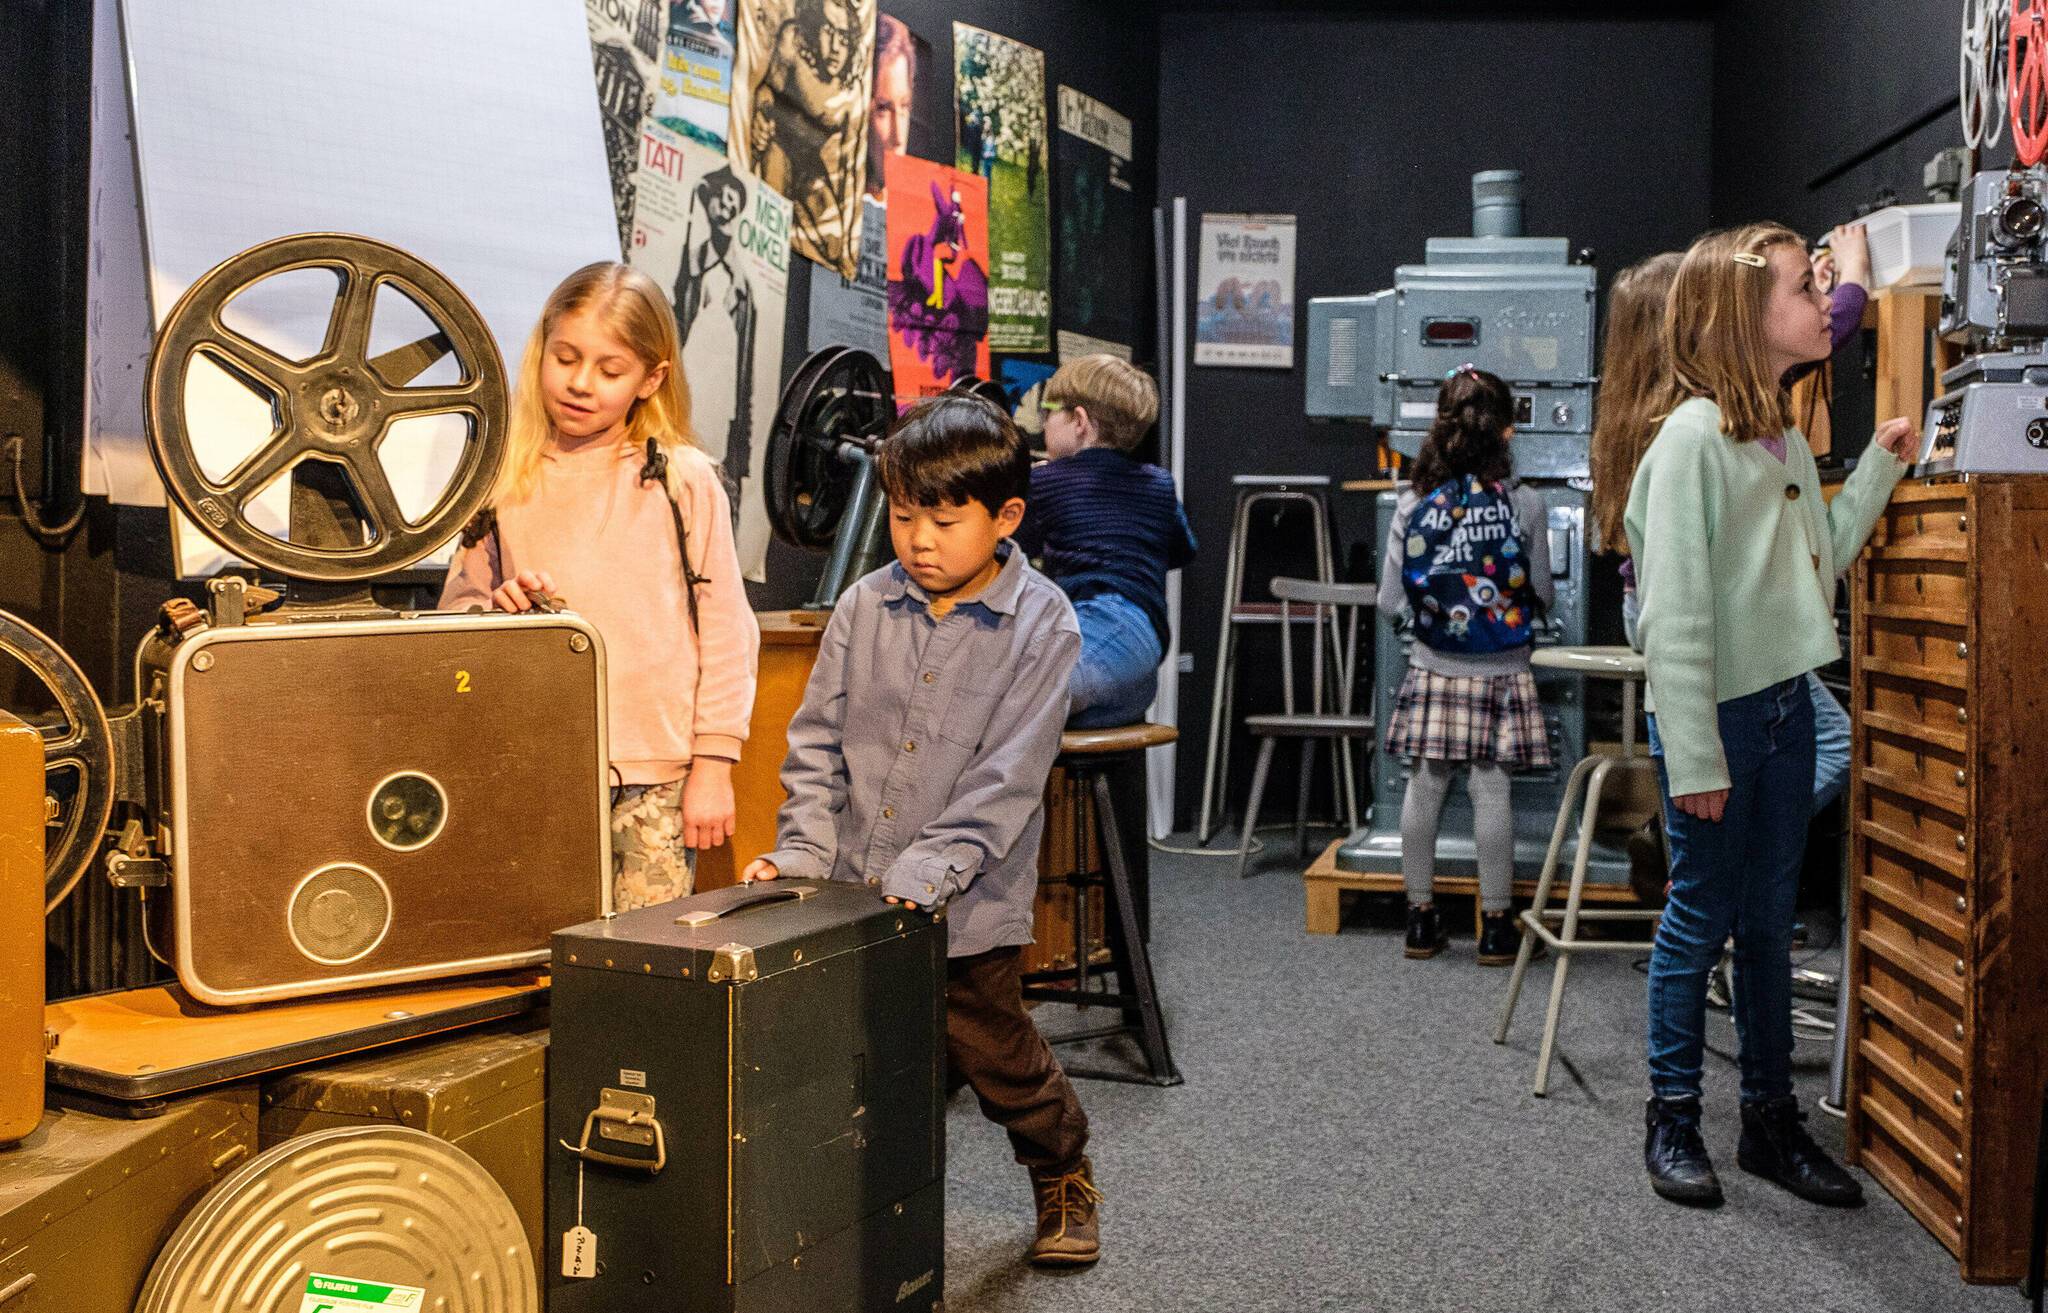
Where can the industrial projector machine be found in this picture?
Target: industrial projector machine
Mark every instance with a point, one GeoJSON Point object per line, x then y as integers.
{"type": "Point", "coordinates": [1521, 308]}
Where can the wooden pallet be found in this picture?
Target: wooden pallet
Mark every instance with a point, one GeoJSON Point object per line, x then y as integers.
{"type": "Point", "coordinates": [1326, 886]}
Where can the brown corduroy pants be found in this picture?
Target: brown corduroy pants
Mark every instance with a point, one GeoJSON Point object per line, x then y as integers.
{"type": "Point", "coordinates": [993, 1046]}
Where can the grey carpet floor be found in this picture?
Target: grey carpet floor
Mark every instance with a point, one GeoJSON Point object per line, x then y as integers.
{"type": "Point", "coordinates": [1350, 1139]}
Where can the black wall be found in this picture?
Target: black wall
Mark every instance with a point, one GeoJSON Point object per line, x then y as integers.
{"type": "Point", "coordinates": [1368, 128]}
{"type": "Point", "coordinates": [1106, 50]}
{"type": "Point", "coordinates": [1821, 107]}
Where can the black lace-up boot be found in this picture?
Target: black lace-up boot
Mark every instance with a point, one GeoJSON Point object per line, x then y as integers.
{"type": "Point", "coordinates": [1676, 1156]}
{"type": "Point", "coordinates": [1775, 1146]}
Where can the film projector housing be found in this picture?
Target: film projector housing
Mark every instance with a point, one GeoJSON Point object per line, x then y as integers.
{"type": "Point", "coordinates": [318, 792]}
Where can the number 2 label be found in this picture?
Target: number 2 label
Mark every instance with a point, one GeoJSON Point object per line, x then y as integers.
{"type": "Point", "coordinates": [462, 681]}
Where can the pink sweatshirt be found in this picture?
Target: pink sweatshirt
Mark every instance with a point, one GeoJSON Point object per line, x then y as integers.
{"type": "Point", "coordinates": [609, 544]}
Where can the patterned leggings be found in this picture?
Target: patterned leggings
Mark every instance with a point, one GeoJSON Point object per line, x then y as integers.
{"type": "Point", "coordinates": [649, 862]}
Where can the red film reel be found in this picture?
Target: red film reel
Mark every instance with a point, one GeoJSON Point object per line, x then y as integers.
{"type": "Point", "coordinates": [2026, 79]}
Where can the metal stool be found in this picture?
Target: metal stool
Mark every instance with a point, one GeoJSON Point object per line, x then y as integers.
{"type": "Point", "coordinates": [1253, 490]}
{"type": "Point", "coordinates": [1087, 756]}
{"type": "Point", "coordinates": [1591, 775]}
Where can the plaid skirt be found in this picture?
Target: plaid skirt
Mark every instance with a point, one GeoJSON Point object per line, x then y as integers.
{"type": "Point", "coordinates": [1477, 718]}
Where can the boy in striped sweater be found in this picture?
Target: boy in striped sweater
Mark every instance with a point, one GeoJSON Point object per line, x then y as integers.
{"type": "Point", "coordinates": [1107, 528]}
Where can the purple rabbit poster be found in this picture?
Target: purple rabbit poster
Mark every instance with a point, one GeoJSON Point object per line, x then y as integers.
{"type": "Point", "coordinates": [938, 277]}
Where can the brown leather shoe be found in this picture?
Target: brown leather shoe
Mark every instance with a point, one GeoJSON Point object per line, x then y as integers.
{"type": "Point", "coordinates": [1067, 1231]}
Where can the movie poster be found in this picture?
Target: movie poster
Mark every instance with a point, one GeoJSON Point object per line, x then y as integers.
{"type": "Point", "coordinates": [626, 38]}
{"type": "Point", "coordinates": [1000, 133]}
{"type": "Point", "coordinates": [1097, 287]}
{"type": "Point", "coordinates": [900, 119]}
{"type": "Point", "coordinates": [694, 97]}
{"type": "Point", "coordinates": [799, 116]}
{"type": "Point", "coordinates": [855, 311]}
{"type": "Point", "coordinates": [938, 277]}
{"type": "Point", "coordinates": [1024, 384]}
{"type": "Point", "coordinates": [1244, 312]}
{"type": "Point", "coordinates": [717, 241]}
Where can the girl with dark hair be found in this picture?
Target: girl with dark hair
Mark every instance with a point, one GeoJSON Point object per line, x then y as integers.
{"type": "Point", "coordinates": [1466, 570]}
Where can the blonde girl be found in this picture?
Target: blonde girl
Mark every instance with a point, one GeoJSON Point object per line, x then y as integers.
{"type": "Point", "coordinates": [1736, 556]}
{"type": "Point", "coordinates": [607, 504]}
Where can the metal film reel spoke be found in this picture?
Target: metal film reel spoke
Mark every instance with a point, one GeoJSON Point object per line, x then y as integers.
{"type": "Point", "coordinates": [1992, 60]}
{"type": "Point", "coordinates": [337, 407]}
{"type": "Point", "coordinates": [1973, 87]}
{"type": "Point", "coordinates": [839, 396]}
{"type": "Point", "coordinates": [81, 747]}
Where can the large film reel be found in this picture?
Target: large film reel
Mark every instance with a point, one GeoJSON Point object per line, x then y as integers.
{"type": "Point", "coordinates": [838, 399]}
{"type": "Point", "coordinates": [78, 757]}
{"type": "Point", "coordinates": [335, 408]}
{"type": "Point", "coordinates": [383, 1205]}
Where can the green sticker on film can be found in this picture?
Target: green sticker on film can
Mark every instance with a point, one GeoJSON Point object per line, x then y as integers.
{"type": "Point", "coordinates": [325, 1294]}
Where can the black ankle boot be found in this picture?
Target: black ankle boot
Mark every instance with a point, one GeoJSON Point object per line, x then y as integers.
{"type": "Point", "coordinates": [1775, 1146]}
{"type": "Point", "coordinates": [1676, 1156]}
{"type": "Point", "coordinates": [1500, 939]}
{"type": "Point", "coordinates": [1425, 932]}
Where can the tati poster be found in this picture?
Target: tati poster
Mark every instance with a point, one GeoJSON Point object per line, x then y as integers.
{"type": "Point", "coordinates": [717, 240]}
{"type": "Point", "coordinates": [999, 113]}
{"type": "Point", "coordinates": [1097, 287]}
{"type": "Point", "coordinates": [1244, 311]}
{"type": "Point", "coordinates": [800, 116]}
{"type": "Point", "coordinates": [938, 277]}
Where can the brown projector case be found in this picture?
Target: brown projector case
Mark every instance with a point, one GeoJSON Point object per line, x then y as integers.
{"type": "Point", "coordinates": [359, 802]}
{"type": "Point", "coordinates": [484, 1091]}
{"type": "Point", "coordinates": [21, 928]}
{"type": "Point", "coordinates": [86, 1201]}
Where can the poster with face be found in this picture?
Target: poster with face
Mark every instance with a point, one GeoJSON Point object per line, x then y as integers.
{"type": "Point", "coordinates": [855, 311]}
{"type": "Point", "coordinates": [1097, 288]}
{"type": "Point", "coordinates": [799, 116]}
{"type": "Point", "coordinates": [900, 113]}
{"type": "Point", "coordinates": [718, 240]}
{"type": "Point", "coordinates": [999, 113]}
{"type": "Point", "coordinates": [695, 94]}
{"type": "Point", "coordinates": [626, 40]}
{"type": "Point", "coordinates": [938, 278]}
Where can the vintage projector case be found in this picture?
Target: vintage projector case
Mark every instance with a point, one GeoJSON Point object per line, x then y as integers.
{"type": "Point", "coordinates": [343, 790]}
{"type": "Point", "coordinates": [87, 1201]}
{"type": "Point", "coordinates": [21, 928]}
{"type": "Point", "coordinates": [756, 1079]}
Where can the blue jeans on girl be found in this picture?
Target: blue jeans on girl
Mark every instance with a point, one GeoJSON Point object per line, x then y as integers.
{"type": "Point", "coordinates": [1830, 724]}
{"type": "Point", "coordinates": [1741, 875]}
{"type": "Point", "coordinates": [1118, 673]}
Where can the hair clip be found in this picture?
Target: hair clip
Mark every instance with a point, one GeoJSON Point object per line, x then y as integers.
{"type": "Point", "coordinates": [1751, 259]}
{"type": "Point", "coordinates": [1467, 368]}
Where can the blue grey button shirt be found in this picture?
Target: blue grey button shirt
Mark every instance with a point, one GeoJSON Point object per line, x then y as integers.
{"type": "Point", "coordinates": [919, 758]}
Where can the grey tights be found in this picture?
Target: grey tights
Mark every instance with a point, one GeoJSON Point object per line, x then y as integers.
{"type": "Point", "coordinates": [1493, 825]}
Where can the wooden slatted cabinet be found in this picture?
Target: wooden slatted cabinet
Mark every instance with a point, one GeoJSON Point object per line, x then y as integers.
{"type": "Point", "coordinates": [1949, 900]}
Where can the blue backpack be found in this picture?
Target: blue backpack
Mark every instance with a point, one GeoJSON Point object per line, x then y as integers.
{"type": "Point", "coordinates": [1465, 570]}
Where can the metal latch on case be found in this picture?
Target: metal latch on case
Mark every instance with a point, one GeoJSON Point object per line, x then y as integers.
{"type": "Point", "coordinates": [628, 1118]}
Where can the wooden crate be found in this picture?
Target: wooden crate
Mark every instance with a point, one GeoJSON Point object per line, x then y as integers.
{"type": "Point", "coordinates": [1948, 904]}
{"type": "Point", "coordinates": [1325, 887]}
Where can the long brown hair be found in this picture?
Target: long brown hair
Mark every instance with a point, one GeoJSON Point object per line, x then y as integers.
{"type": "Point", "coordinates": [1714, 329]}
{"type": "Point", "coordinates": [1635, 389]}
{"type": "Point", "coordinates": [1474, 410]}
{"type": "Point", "coordinates": [632, 306]}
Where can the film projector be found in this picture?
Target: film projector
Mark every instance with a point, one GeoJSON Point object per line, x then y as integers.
{"type": "Point", "coordinates": [319, 793]}
{"type": "Point", "coordinates": [821, 484]}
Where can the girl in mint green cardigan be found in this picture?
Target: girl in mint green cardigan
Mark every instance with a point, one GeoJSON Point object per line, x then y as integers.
{"type": "Point", "coordinates": [1737, 555]}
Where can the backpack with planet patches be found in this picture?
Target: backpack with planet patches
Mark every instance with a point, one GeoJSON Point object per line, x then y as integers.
{"type": "Point", "coordinates": [1466, 572]}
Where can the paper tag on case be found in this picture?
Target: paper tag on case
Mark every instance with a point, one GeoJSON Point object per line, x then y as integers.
{"type": "Point", "coordinates": [579, 1252]}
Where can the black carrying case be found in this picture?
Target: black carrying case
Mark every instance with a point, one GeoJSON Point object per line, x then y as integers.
{"type": "Point", "coordinates": [750, 1084]}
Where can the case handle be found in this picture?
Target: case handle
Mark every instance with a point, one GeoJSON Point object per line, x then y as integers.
{"type": "Point", "coordinates": [740, 902]}
{"type": "Point", "coordinates": [626, 1117]}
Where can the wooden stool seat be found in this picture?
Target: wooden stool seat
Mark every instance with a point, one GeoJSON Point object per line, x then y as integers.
{"type": "Point", "coordinates": [1088, 756]}
{"type": "Point", "coordinates": [1115, 739]}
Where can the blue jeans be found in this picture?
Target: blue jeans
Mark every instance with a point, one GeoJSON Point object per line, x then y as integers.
{"type": "Point", "coordinates": [1830, 724]}
{"type": "Point", "coordinates": [1741, 875]}
{"type": "Point", "coordinates": [1118, 674]}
